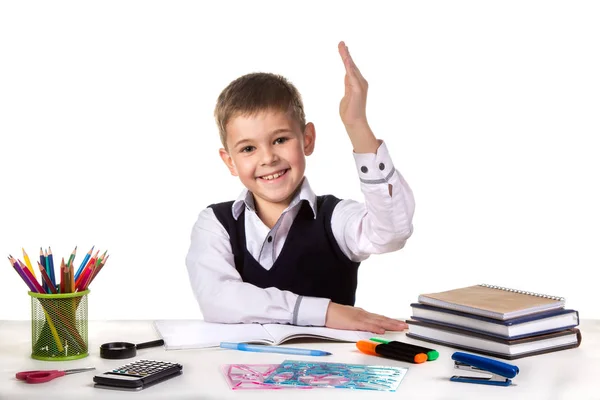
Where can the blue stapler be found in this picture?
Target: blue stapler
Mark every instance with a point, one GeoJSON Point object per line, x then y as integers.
{"type": "Point", "coordinates": [500, 372]}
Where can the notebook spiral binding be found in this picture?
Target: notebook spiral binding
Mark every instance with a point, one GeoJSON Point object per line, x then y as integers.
{"type": "Point", "coordinates": [557, 298]}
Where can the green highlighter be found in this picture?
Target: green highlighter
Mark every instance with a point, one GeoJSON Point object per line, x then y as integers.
{"type": "Point", "coordinates": [431, 354]}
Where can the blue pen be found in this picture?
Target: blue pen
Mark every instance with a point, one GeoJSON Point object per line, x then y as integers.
{"type": "Point", "coordinates": [273, 349]}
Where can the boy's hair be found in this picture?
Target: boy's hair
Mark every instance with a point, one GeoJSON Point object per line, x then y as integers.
{"type": "Point", "coordinates": [256, 92]}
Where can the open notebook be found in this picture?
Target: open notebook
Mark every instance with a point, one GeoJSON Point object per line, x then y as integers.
{"type": "Point", "coordinates": [197, 334]}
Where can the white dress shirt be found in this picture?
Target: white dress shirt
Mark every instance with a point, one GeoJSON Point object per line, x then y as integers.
{"type": "Point", "coordinates": [381, 224]}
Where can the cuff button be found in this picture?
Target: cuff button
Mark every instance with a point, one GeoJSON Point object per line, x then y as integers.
{"type": "Point", "coordinates": [364, 169]}
{"type": "Point", "coordinates": [381, 166]}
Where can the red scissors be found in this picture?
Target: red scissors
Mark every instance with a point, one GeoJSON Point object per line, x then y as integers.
{"type": "Point", "coordinates": [41, 376]}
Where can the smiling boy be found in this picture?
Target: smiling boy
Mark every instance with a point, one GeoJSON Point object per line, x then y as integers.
{"type": "Point", "coordinates": [279, 253]}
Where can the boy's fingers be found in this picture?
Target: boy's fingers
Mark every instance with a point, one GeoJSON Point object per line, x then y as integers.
{"type": "Point", "coordinates": [390, 324]}
{"type": "Point", "coordinates": [353, 65]}
{"type": "Point", "coordinates": [397, 326]}
{"type": "Point", "coordinates": [374, 328]}
{"type": "Point", "coordinates": [344, 54]}
{"type": "Point", "coordinates": [351, 68]}
{"type": "Point", "coordinates": [343, 50]}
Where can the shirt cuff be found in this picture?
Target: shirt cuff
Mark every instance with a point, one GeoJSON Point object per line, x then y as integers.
{"type": "Point", "coordinates": [374, 168]}
{"type": "Point", "coordinates": [310, 311]}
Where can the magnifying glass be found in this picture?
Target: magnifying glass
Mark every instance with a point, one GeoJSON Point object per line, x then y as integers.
{"type": "Point", "coordinates": [120, 350]}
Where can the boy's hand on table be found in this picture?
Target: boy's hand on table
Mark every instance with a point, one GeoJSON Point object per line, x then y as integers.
{"type": "Point", "coordinates": [355, 318]}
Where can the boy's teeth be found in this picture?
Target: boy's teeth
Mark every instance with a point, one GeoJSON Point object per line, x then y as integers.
{"type": "Point", "coordinates": [274, 176]}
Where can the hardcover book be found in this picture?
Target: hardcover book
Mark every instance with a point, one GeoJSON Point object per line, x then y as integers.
{"type": "Point", "coordinates": [492, 345]}
{"type": "Point", "coordinates": [515, 328]}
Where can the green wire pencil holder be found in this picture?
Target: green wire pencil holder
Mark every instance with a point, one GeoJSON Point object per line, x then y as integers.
{"type": "Point", "coordinates": [59, 326]}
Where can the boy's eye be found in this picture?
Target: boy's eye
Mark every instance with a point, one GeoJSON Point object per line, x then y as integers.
{"type": "Point", "coordinates": [246, 149]}
{"type": "Point", "coordinates": [280, 140]}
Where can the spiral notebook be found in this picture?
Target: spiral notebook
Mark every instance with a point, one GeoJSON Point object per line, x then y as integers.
{"type": "Point", "coordinates": [493, 301]}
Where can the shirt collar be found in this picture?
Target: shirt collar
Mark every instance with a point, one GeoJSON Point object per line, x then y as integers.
{"type": "Point", "coordinates": [245, 199]}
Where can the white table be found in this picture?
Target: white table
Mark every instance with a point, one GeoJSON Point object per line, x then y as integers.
{"type": "Point", "coordinates": [570, 374]}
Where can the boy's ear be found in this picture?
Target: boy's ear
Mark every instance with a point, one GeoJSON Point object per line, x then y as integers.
{"type": "Point", "coordinates": [310, 135]}
{"type": "Point", "coordinates": [228, 161]}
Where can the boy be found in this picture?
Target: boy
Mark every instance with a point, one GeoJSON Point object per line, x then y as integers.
{"type": "Point", "coordinates": [280, 254]}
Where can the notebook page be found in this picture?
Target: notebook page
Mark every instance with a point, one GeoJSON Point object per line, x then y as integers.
{"type": "Point", "coordinates": [196, 334]}
{"type": "Point", "coordinates": [281, 333]}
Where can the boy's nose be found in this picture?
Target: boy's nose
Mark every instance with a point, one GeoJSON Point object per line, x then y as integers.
{"type": "Point", "coordinates": [269, 157]}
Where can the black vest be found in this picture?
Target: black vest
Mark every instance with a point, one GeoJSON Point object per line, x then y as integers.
{"type": "Point", "coordinates": [310, 263]}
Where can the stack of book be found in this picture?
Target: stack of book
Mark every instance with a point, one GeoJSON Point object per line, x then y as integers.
{"type": "Point", "coordinates": [495, 321]}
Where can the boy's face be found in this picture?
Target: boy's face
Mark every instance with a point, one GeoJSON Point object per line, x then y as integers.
{"type": "Point", "coordinates": [266, 151]}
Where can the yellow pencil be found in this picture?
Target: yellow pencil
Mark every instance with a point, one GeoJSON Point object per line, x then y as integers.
{"type": "Point", "coordinates": [54, 332]}
{"type": "Point", "coordinates": [28, 263]}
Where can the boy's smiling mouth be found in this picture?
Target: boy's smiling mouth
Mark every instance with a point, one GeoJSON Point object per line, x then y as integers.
{"type": "Point", "coordinates": [274, 176]}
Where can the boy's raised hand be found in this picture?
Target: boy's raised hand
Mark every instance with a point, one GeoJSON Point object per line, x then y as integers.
{"type": "Point", "coordinates": [357, 319]}
{"type": "Point", "coordinates": [353, 106]}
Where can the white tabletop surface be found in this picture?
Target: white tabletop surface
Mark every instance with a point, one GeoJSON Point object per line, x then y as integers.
{"type": "Point", "coordinates": [570, 374]}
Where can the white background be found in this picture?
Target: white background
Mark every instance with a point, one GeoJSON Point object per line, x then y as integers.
{"type": "Point", "coordinates": [490, 111]}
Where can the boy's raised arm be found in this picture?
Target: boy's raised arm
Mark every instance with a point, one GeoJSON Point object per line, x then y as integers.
{"type": "Point", "coordinates": [384, 221]}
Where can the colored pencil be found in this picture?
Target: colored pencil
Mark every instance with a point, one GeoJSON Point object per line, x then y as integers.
{"type": "Point", "coordinates": [88, 263]}
{"type": "Point", "coordinates": [17, 268]}
{"type": "Point", "coordinates": [71, 279]}
{"type": "Point", "coordinates": [27, 261]}
{"type": "Point", "coordinates": [93, 259]}
{"type": "Point", "coordinates": [54, 332]}
{"type": "Point", "coordinates": [84, 263]}
{"type": "Point", "coordinates": [38, 288]}
{"type": "Point", "coordinates": [47, 279]}
{"type": "Point", "coordinates": [72, 257]}
{"type": "Point", "coordinates": [51, 267]}
{"type": "Point", "coordinates": [42, 259]}
{"type": "Point", "coordinates": [88, 278]}
{"type": "Point", "coordinates": [63, 279]}
{"type": "Point", "coordinates": [47, 269]}
{"type": "Point", "coordinates": [83, 278]}
{"type": "Point", "coordinates": [43, 262]}
{"type": "Point", "coordinates": [99, 260]}
{"type": "Point", "coordinates": [95, 272]}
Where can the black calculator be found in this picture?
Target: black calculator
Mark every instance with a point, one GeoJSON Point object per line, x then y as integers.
{"type": "Point", "coordinates": [138, 375]}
